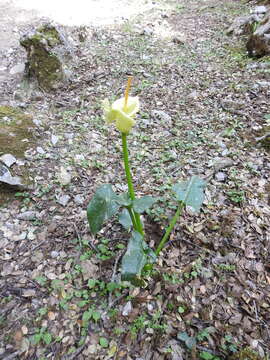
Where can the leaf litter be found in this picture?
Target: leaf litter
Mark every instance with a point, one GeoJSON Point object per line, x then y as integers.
{"type": "Point", "coordinates": [202, 107]}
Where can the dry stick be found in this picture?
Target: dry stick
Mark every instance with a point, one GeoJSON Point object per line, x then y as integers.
{"type": "Point", "coordinates": [235, 112]}
{"type": "Point", "coordinates": [262, 138]}
{"type": "Point", "coordinates": [75, 354]}
{"type": "Point", "coordinates": [38, 245]}
{"type": "Point", "coordinates": [191, 243]}
{"type": "Point", "coordinates": [113, 274]}
{"type": "Point", "coordinates": [80, 238]}
{"type": "Point", "coordinates": [255, 309]}
{"type": "Point", "coordinates": [115, 301]}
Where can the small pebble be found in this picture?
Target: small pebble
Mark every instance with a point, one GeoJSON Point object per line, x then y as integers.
{"type": "Point", "coordinates": [220, 176]}
{"type": "Point", "coordinates": [127, 309]}
{"type": "Point", "coordinates": [54, 254]}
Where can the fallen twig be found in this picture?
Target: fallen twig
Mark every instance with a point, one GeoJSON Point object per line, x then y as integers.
{"type": "Point", "coordinates": [80, 239]}
{"type": "Point", "coordinates": [75, 354]}
{"type": "Point", "coordinates": [262, 138]}
{"type": "Point", "coordinates": [114, 272]}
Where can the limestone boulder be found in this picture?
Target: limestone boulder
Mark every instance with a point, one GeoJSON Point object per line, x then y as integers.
{"type": "Point", "coordinates": [258, 44]}
{"type": "Point", "coordinates": [48, 53]}
{"type": "Point", "coordinates": [16, 136]}
{"type": "Point", "coordinates": [16, 131]}
{"type": "Point", "coordinates": [246, 25]}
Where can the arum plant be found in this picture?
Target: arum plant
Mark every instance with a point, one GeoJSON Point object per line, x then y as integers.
{"type": "Point", "coordinates": [106, 203]}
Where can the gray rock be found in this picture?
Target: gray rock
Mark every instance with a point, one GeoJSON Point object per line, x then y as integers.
{"type": "Point", "coordinates": [8, 159]}
{"type": "Point", "coordinates": [79, 199]}
{"type": "Point", "coordinates": [64, 176]}
{"type": "Point", "coordinates": [127, 309]}
{"type": "Point", "coordinates": [40, 150]}
{"type": "Point", "coordinates": [63, 200]}
{"type": "Point", "coordinates": [161, 115]}
{"type": "Point", "coordinates": [54, 139]}
{"type": "Point", "coordinates": [54, 254]}
{"type": "Point", "coordinates": [220, 164]}
{"type": "Point", "coordinates": [225, 152]}
{"type": "Point", "coordinates": [8, 179]}
{"type": "Point", "coordinates": [27, 215]}
{"type": "Point", "coordinates": [259, 10]}
{"type": "Point", "coordinates": [244, 25]}
{"type": "Point", "coordinates": [258, 44]}
{"type": "Point", "coordinates": [48, 52]}
{"type": "Point", "coordinates": [179, 39]}
{"type": "Point", "coordinates": [220, 176]}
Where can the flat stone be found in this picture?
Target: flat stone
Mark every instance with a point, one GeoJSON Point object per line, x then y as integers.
{"type": "Point", "coordinates": [89, 270]}
{"type": "Point", "coordinates": [8, 159]}
{"type": "Point", "coordinates": [40, 150]}
{"type": "Point", "coordinates": [79, 199]}
{"type": "Point", "coordinates": [179, 39]}
{"type": "Point", "coordinates": [7, 178]}
{"type": "Point", "coordinates": [64, 176]}
{"type": "Point", "coordinates": [63, 200]}
{"type": "Point", "coordinates": [29, 293]}
{"type": "Point", "coordinates": [162, 115]}
{"type": "Point", "coordinates": [54, 139]}
{"type": "Point", "coordinates": [260, 10]}
{"type": "Point", "coordinates": [54, 254]}
{"type": "Point", "coordinates": [27, 215]}
{"type": "Point", "coordinates": [220, 176]}
{"type": "Point", "coordinates": [127, 309]}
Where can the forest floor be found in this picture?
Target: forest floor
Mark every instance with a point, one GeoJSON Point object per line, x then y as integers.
{"type": "Point", "coordinates": [203, 103]}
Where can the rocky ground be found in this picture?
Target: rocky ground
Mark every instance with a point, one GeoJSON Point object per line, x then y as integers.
{"type": "Point", "coordinates": [203, 105]}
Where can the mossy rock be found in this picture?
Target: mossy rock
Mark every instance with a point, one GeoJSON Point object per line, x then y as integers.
{"type": "Point", "coordinates": [246, 354]}
{"type": "Point", "coordinates": [43, 63]}
{"type": "Point", "coordinates": [264, 138]}
{"type": "Point", "coordinates": [16, 133]}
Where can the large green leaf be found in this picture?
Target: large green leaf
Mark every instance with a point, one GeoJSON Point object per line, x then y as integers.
{"type": "Point", "coordinates": [134, 259]}
{"type": "Point", "coordinates": [124, 199]}
{"type": "Point", "coordinates": [125, 219]}
{"type": "Point", "coordinates": [191, 192]}
{"type": "Point", "coordinates": [102, 207]}
{"type": "Point", "coordinates": [142, 204]}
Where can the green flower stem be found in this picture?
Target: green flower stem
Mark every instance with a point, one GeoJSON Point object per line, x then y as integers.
{"type": "Point", "coordinates": [132, 216]}
{"type": "Point", "coordinates": [170, 228]}
{"type": "Point", "coordinates": [137, 219]}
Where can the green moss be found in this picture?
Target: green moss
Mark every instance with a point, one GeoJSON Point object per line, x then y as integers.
{"type": "Point", "coordinates": [15, 137]}
{"type": "Point", "coordinates": [16, 134]}
{"type": "Point", "coordinates": [50, 34]}
{"type": "Point", "coordinates": [42, 63]}
{"type": "Point", "coordinates": [246, 354]}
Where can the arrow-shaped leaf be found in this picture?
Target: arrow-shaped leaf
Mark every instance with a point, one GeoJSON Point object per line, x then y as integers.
{"type": "Point", "coordinates": [102, 207]}
{"type": "Point", "coordinates": [124, 199]}
{"type": "Point", "coordinates": [191, 192]}
{"type": "Point", "coordinates": [142, 204]}
{"type": "Point", "coordinates": [125, 219]}
{"type": "Point", "coordinates": [138, 254]}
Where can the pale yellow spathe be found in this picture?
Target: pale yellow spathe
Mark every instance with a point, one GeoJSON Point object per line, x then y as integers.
{"type": "Point", "coordinates": [121, 115]}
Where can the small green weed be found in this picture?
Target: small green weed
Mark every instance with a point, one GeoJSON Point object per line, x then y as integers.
{"type": "Point", "coordinates": [42, 336]}
{"type": "Point", "coordinates": [226, 267]}
{"type": "Point", "coordinates": [236, 196]}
